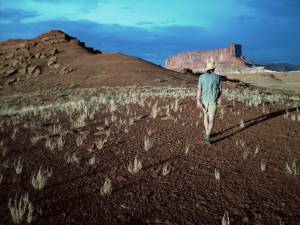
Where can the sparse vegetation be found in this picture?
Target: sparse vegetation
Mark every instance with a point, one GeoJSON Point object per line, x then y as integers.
{"type": "Point", "coordinates": [217, 174]}
{"type": "Point", "coordinates": [187, 149]}
{"type": "Point", "coordinates": [263, 165]}
{"type": "Point", "coordinates": [225, 219]}
{"type": "Point", "coordinates": [102, 121]}
{"type": "Point", "coordinates": [166, 169]}
{"type": "Point", "coordinates": [106, 189]}
{"type": "Point", "coordinates": [60, 142]}
{"type": "Point", "coordinates": [18, 207]}
{"type": "Point", "coordinates": [100, 143]}
{"type": "Point", "coordinates": [79, 140]}
{"type": "Point", "coordinates": [293, 170]}
{"type": "Point", "coordinates": [135, 167]}
{"type": "Point", "coordinates": [242, 124]}
{"type": "Point", "coordinates": [92, 160]}
{"type": "Point", "coordinates": [18, 165]}
{"type": "Point", "coordinates": [50, 143]}
{"type": "Point", "coordinates": [256, 151]}
{"type": "Point", "coordinates": [147, 143]}
{"type": "Point", "coordinates": [40, 177]}
{"type": "Point", "coordinates": [71, 158]}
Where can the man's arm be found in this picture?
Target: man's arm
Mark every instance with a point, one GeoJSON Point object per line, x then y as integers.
{"type": "Point", "coordinates": [220, 93]}
{"type": "Point", "coordinates": [199, 105]}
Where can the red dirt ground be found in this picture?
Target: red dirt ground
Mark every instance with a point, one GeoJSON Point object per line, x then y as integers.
{"type": "Point", "coordinates": [189, 194]}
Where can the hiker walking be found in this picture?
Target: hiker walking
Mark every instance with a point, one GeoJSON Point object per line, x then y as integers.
{"type": "Point", "coordinates": [208, 96]}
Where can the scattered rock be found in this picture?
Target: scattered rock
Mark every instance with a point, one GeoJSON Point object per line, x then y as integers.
{"type": "Point", "coordinates": [11, 72]}
{"type": "Point", "coordinates": [27, 54]}
{"type": "Point", "coordinates": [22, 71]}
{"type": "Point", "coordinates": [54, 51]}
{"type": "Point", "coordinates": [53, 42]}
{"type": "Point", "coordinates": [38, 55]}
{"type": "Point", "coordinates": [65, 70]}
{"type": "Point", "coordinates": [45, 39]}
{"type": "Point", "coordinates": [36, 72]}
{"type": "Point", "coordinates": [10, 81]}
{"type": "Point", "coordinates": [75, 41]}
{"type": "Point", "coordinates": [31, 69]}
{"type": "Point", "coordinates": [14, 62]}
{"type": "Point", "coordinates": [56, 65]}
{"type": "Point", "coordinates": [42, 56]}
{"type": "Point", "coordinates": [52, 61]}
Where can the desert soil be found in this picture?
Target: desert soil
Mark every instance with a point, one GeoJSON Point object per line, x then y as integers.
{"type": "Point", "coordinates": [188, 194]}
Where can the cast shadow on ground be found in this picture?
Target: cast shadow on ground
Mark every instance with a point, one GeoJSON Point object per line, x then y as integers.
{"type": "Point", "coordinates": [250, 123]}
{"type": "Point", "coordinates": [73, 189]}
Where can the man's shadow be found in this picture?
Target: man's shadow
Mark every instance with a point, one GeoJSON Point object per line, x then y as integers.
{"type": "Point", "coordinates": [250, 123]}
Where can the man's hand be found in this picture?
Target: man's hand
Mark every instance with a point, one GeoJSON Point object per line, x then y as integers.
{"type": "Point", "coordinates": [199, 105]}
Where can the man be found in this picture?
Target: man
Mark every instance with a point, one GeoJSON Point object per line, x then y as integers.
{"type": "Point", "coordinates": [208, 96]}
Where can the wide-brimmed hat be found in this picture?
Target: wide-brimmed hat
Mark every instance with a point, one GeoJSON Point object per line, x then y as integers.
{"type": "Point", "coordinates": [210, 65]}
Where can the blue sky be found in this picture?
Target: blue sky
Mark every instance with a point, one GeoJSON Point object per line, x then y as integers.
{"type": "Point", "coordinates": [154, 30]}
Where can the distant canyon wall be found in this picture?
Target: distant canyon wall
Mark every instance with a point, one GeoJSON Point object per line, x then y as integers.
{"type": "Point", "coordinates": [228, 60]}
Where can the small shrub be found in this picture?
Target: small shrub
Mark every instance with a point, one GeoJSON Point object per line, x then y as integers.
{"type": "Point", "coordinates": [99, 143]}
{"type": "Point", "coordinates": [18, 207]}
{"type": "Point", "coordinates": [242, 124]}
{"type": "Point", "coordinates": [225, 219]}
{"type": "Point", "coordinates": [106, 188]}
{"type": "Point", "coordinates": [294, 170]}
{"type": "Point", "coordinates": [154, 111]}
{"type": "Point", "coordinates": [147, 143]}
{"type": "Point", "coordinates": [263, 165]}
{"type": "Point", "coordinates": [79, 140]}
{"type": "Point", "coordinates": [92, 160]}
{"type": "Point", "coordinates": [40, 177]}
{"type": "Point", "coordinates": [18, 165]}
{"type": "Point", "coordinates": [217, 174]}
{"type": "Point", "coordinates": [135, 167]}
{"type": "Point", "coordinates": [256, 151]}
{"type": "Point", "coordinates": [60, 142]}
{"type": "Point", "coordinates": [50, 144]}
{"type": "Point", "coordinates": [166, 169]}
{"type": "Point", "coordinates": [71, 158]}
{"type": "Point", "coordinates": [187, 149]}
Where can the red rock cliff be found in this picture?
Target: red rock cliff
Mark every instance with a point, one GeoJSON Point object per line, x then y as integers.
{"type": "Point", "coordinates": [228, 60]}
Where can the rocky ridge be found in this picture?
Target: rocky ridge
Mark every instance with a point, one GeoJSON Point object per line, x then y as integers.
{"type": "Point", "coordinates": [21, 60]}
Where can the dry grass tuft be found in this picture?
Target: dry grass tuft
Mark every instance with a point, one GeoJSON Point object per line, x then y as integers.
{"type": "Point", "coordinates": [225, 219]}
{"type": "Point", "coordinates": [18, 208]}
{"type": "Point", "coordinates": [135, 167]}
{"type": "Point", "coordinates": [106, 189]}
{"type": "Point", "coordinates": [293, 170]}
{"type": "Point", "coordinates": [166, 169]}
{"type": "Point", "coordinates": [40, 177]}
{"type": "Point", "coordinates": [147, 143]}
{"type": "Point", "coordinates": [18, 165]}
